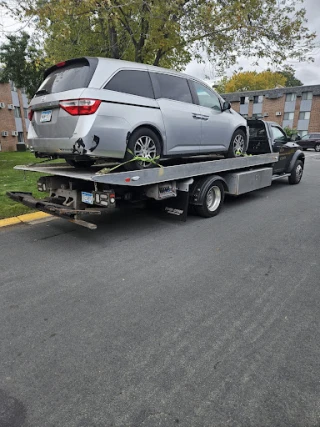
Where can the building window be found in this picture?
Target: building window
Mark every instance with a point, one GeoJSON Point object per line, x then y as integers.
{"type": "Point", "coordinates": [17, 112]}
{"type": "Point", "coordinates": [244, 100]}
{"type": "Point", "coordinates": [306, 96]}
{"type": "Point", "coordinates": [20, 137]}
{"type": "Point", "coordinates": [258, 99]}
{"type": "Point", "coordinates": [304, 115]}
{"type": "Point", "coordinates": [302, 132]}
{"type": "Point", "coordinates": [25, 113]}
{"type": "Point", "coordinates": [13, 86]}
{"type": "Point", "coordinates": [288, 116]}
{"type": "Point", "coordinates": [291, 97]}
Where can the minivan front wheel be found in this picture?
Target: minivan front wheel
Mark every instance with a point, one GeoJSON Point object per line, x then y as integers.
{"type": "Point", "coordinates": [238, 144]}
{"type": "Point", "coordinates": [145, 145]}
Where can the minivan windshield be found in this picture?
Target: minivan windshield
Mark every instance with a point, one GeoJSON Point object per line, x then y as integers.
{"type": "Point", "coordinates": [72, 76]}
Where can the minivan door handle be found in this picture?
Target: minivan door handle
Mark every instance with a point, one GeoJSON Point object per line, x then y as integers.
{"type": "Point", "coordinates": [196, 116]}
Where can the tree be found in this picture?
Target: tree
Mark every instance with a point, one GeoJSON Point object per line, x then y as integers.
{"type": "Point", "coordinates": [291, 80]}
{"type": "Point", "coordinates": [251, 80]}
{"type": "Point", "coordinates": [291, 132]}
{"type": "Point", "coordinates": [23, 62]}
{"type": "Point", "coordinates": [171, 32]}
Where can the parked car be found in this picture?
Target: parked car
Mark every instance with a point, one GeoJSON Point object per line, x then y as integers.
{"type": "Point", "coordinates": [97, 108]}
{"type": "Point", "coordinates": [310, 140]}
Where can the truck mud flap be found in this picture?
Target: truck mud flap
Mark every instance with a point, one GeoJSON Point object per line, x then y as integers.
{"type": "Point", "coordinates": [177, 207]}
{"type": "Point", "coordinates": [60, 211]}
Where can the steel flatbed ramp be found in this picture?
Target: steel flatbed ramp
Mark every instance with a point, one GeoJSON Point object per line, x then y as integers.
{"type": "Point", "coordinates": [156, 175]}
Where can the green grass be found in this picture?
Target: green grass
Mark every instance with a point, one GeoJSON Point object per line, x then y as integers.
{"type": "Point", "coordinates": [14, 180]}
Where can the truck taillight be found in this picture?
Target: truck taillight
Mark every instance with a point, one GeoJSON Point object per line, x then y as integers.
{"type": "Point", "coordinates": [80, 107]}
{"type": "Point", "coordinates": [30, 114]}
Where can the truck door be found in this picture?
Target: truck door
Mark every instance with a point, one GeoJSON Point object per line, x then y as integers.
{"type": "Point", "coordinates": [279, 140]}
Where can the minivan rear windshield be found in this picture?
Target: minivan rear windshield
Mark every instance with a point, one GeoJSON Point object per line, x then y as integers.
{"type": "Point", "coordinates": [73, 75]}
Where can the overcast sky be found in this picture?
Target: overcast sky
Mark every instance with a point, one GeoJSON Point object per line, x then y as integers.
{"type": "Point", "coordinates": [308, 73]}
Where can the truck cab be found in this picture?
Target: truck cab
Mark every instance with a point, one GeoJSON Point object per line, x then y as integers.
{"type": "Point", "coordinates": [269, 137]}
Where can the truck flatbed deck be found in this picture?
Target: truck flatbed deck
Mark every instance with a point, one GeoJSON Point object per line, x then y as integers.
{"type": "Point", "coordinates": [151, 176]}
{"type": "Point", "coordinates": [199, 183]}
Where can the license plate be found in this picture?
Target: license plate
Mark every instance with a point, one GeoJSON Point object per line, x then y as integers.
{"type": "Point", "coordinates": [46, 116]}
{"type": "Point", "coordinates": [87, 198]}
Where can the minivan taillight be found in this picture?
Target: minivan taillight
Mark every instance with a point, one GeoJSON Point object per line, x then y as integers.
{"type": "Point", "coordinates": [80, 107]}
{"type": "Point", "coordinates": [30, 114]}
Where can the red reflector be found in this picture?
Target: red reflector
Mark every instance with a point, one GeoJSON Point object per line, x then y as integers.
{"type": "Point", "coordinates": [128, 179]}
{"type": "Point", "coordinates": [30, 114]}
{"type": "Point", "coordinates": [80, 107]}
{"type": "Point", "coordinates": [61, 64]}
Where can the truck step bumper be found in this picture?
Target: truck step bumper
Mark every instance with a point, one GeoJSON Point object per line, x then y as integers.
{"type": "Point", "coordinates": [60, 211]}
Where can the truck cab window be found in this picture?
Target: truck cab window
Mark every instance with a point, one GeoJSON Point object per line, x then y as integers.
{"type": "Point", "coordinates": [279, 135]}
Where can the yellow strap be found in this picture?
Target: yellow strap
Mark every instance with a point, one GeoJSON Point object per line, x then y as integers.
{"type": "Point", "coordinates": [104, 171]}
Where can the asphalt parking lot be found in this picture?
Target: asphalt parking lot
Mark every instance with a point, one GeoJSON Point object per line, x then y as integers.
{"type": "Point", "coordinates": [149, 322]}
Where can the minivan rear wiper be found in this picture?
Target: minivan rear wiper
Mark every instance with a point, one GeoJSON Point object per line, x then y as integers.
{"type": "Point", "coordinates": [42, 92]}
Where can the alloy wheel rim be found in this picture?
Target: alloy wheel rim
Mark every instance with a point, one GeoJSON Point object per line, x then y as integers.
{"type": "Point", "coordinates": [238, 145]}
{"type": "Point", "coordinates": [299, 172]}
{"type": "Point", "coordinates": [213, 198]}
{"type": "Point", "coordinates": [145, 147]}
{"type": "Point", "coordinates": [317, 147]}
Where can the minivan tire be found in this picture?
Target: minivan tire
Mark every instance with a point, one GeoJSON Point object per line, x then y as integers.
{"type": "Point", "coordinates": [237, 145]}
{"type": "Point", "coordinates": [80, 164]}
{"type": "Point", "coordinates": [317, 147]}
{"type": "Point", "coordinates": [143, 142]}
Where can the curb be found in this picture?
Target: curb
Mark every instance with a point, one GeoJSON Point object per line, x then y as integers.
{"type": "Point", "coordinates": [23, 219]}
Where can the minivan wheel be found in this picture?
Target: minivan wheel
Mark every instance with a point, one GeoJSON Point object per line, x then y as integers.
{"type": "Point", "coordinates": [142, 143]}
{"type": "Point", "coordinates": [317, 147]}
{"type": "Point", "coordinates": [238, 144]}
{"type": "Point", "coordinates": [80, 164]}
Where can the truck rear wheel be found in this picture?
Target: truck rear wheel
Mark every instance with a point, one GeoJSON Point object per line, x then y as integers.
{"type": "Point", "coordinates": [296, 173]}
{"type": "Point", "coordinates": [212, 201]}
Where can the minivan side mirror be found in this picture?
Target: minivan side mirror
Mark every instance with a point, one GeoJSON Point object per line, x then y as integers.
{"type": "Point", "coordinates": [226, 106]}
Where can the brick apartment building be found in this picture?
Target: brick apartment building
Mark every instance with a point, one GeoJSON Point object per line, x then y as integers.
{"type": "Point", "coordinates": [13, 118]}
{"type": "Point", "coordinates": [297, 107]}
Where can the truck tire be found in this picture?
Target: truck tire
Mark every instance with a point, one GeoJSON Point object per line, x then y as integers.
{"type": "Point", "coordinates": [296, 173]}
{"type": "Point", "coordinates": [212, 201]}
{"type": "Point", "coordinates": [143, 142]}
{"type": "Point", "coordinates": [317, 147]}
{"type": "Point", "coordinates": [237, 145]}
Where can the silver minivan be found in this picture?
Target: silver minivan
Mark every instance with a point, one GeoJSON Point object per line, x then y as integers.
{"type": "Point", "coordinates": [89, 109]}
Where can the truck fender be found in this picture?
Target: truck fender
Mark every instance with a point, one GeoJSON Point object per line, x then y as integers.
{"type": "Point", "coordinates": [298, 155]}
{"type": "Point", "coordinates": [200, 187]}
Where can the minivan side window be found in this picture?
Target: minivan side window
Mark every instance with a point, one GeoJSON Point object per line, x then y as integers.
{"type": "Point", "coordinates": [171, 87]}
{"type": "Point", "coordinates": [206, 97]}
{"type": "Point", "coordinates": [133, 82]}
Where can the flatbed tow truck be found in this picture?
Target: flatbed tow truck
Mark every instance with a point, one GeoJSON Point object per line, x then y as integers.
{"type": "Point", "coordinates": [199, 184]}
